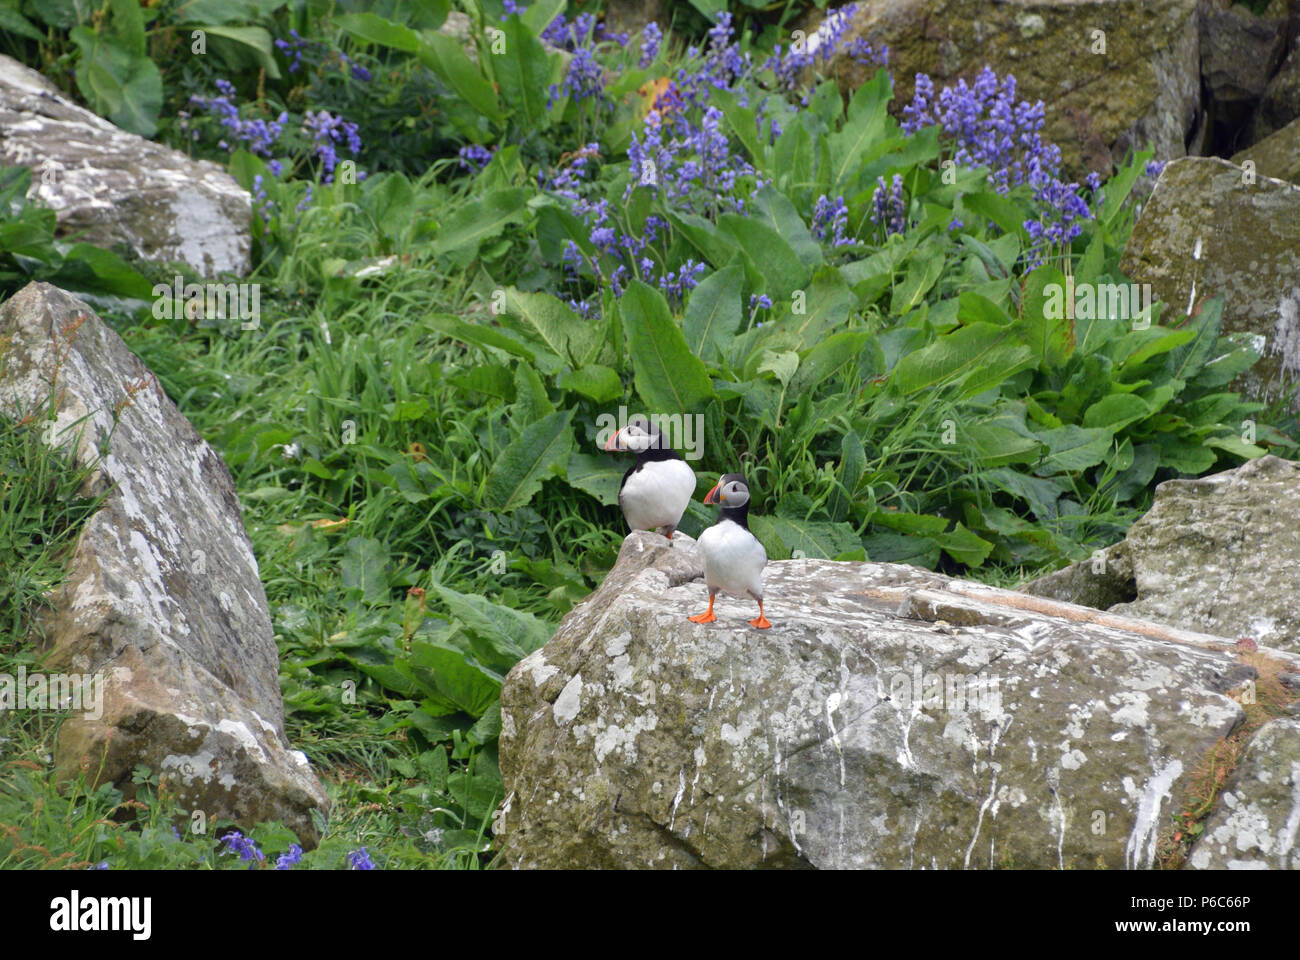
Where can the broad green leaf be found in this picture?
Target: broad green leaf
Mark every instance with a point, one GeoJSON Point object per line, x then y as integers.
{"type": "Point", "coordinates": [1050, 337]}
{"type": "Point", "coordinates": [599, 476]}
{"type": "Point", "coordinates": [1072, 448]}
{"type": "Point", "coordinates": [714, 312]}
{"type": "Point", "coordinates": [365, 568]}
{"type": "Point", "coordinates": [1116, 411]}
{"type": "Point", "coordinates": [375, 29]}
{"type": "Point", "coordinates": [513, 629]}
{"type": "Point", "coordinates": [443, 55]}
{"type": "Point", "coordinates": [539, 15]}
{"type": "Point", "coordinates": [124, 87]}
{"type": "Point", "coordinates": [466, 684]}
{"type": "Point", "coordinates": [924, 269]}
{"type": "Point", "coordinates": [828, 358]}
{"type": "Point", "coordinates": [480, 220]}
{"type": "Point", "coordinates": [774, 258]}
{"type": "Point", "coordinates": [528, 460]}
{"type": "Point", "coordinates": [964, 546]}
{"type": "Point", "coordinates": [1236, 446]}
{"type": "Point", "coordinates": [979, 355]}
{"type": "Point", "coordinates": [238, 45]}
{"type": "Point", "coordinates": [803, 538]}
{"type": "Point", "coordinates": [523, 73]}
{"type": "Point", "coordinates": [600, 384]}
{"type": "Point", "coordinates": [549, 320]}
{"type": "Point", "coordinates": [669, 378]}
{"type": "Point", "coordinates": [779, 213]}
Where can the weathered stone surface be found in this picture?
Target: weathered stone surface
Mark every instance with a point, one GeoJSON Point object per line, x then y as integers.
{"type": "Point", "coordinates": [1248, 239]}
{"type": "Point", "coordinates": [637, 739]}
{"type": "Point", "coordinates": [1239, 52]}
{"type": "Point", "coordinates": [1218, 555]}
{"type": "Point", "coordinates": [1101, 581]}
{"type": "Point", "coordinates": [1281, 101]}
{"type": "Point", "coordinates": [631, 16]}
{"type": "Point", "coordinates": [1144, 90]}
{"type": "Point", "coordinates": [115, 187]}
{"type": "Point", "coordinates": [1276, 156]}
{"type": "Point", "coordinates": [163, 599]}
{"type": "Point", "coordinates": [1256, 825]}
{"type": "Point", "coordinates": [1221, 554]}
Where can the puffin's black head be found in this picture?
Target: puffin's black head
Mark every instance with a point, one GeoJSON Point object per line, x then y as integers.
{"type": "Point", "coordinates": [731, 490]}
{"type": "Point", "coordinates": [638, 436]}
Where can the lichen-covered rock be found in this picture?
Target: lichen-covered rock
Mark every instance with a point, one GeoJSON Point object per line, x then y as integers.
{"type": "Point", "coordinates": [1221, 554]}
{"type": "Point", "coordinates": [1256, 825]}
{"type": "Point", "coordinates": [891, 717]}
{"type": "Point", "coordinates": [1281, 101]}
{"type": "Point", "coordinates": [1239, 52]}
{"type": "Point", "coordinates": [162, 601]}
{"type": "Point", "coordinates": [1207, 230]}
{"type": "Point", "coordinates": [1217, 555]}
{"type": "Point", "coordinates": [114, 187]}
{"type": "Point", "coordinates": [1276, 156]}
{"type": "Point", "coordinates": [1143, 90]}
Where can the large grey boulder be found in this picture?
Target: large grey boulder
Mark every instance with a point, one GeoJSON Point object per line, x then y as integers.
{"type": "Point", "coordinates": [1256, 825]}
{"type": "Point", "coordinates": [1219, 554]}
{"type": "Point", "coordinates": [1240, 52]}
{"type": "Point", "coordinates": [1207, 229]}
{"type": "Point", "coordinates": [1114, 75]}
{"type": "Point", "coordinates": [891, 717]}
{"type": "Point", "coordinates": [114, 187]}
{"type": "Point", "coordinates": [162, 600]}
{"type": "Point", "coordinates": [1277, 155]}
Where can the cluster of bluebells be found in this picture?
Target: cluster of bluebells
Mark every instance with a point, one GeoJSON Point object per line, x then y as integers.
{"type": "Point", "coordinates": [289, 859]}
{"type": "Point", "coordinates": [830, 220]}
{"type": "Point", "coordinates": [990, 129]}
{"type": "Point", "coordinates": [327, 131]}
{"type": "Point", "coordinates": [258, 135]}
{"type": "Point", "coordinates": [360, 860]}
{"type": "Point", "coordinates": [582, 31]}
{"type": "Point", "coordinates": [584, 79]}
{"type": "Point", "coordinates": [691, 163]}
{"type": "Point", "coordinates": [821, 48]}
{"type": "Point", "coordinates": [651, 38]}
{"type": "Point", "coordinates": [248, 852]}
{"type": "Point", "coordinates": [475, 157]}
{"type": "Point", "coordinates": [296, 46]}
{"type": "Point", "coordinates": [888, 208]}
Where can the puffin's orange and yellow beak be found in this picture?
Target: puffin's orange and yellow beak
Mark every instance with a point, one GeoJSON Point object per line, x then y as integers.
{"type": "Point", "coordinates": [714, 496]}
{"type": "Point", "coordinates": [612, 442]}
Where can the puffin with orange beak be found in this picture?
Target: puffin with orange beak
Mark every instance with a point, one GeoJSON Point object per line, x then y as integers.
{"type": "Point", "coordinates": [656, 489]}
{"type": "Point", "coordinates": [733, 557]}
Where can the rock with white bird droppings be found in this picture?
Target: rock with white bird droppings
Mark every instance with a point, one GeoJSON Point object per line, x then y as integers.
{"type": "Point", "coordinates": [1256, 825]}
{"type": "Point", "coordinates": [162, 601]}
{"type": "Point", "coordinates": [891, 717]}
{"type": "Point", "coordinates": [111, 186]}
{"type": "Point", "coordinates": [1213, 228]}
{"type": "Point", "coordinates": [1218, 554]}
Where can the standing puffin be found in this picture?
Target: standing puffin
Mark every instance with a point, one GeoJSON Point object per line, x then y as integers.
{"type": "Point", "coordinates": [733, 557]}
{"type": "Point", "coordinates": [656, 489]}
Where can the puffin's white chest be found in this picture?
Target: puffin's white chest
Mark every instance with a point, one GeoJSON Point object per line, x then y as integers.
{"type": "Point", "coordinates": [733, 559]}
{"type": "Point", "coordinates": [657, 494]}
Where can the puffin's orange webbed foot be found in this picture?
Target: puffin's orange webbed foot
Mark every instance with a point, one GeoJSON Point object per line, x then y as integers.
{"type": "Point", "coordinates": [760, 622]}
{"type": "Point", "coordinates": [708, 616]}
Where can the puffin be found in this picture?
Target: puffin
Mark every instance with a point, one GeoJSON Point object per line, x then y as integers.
{"type": "Point", "coordinates": [656, 489]}
{"type": "Point", "coordinates": [733, 557]}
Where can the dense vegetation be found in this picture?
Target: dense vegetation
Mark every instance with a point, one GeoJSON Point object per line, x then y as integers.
{"type": "Point", "coordinates": [469, 254]}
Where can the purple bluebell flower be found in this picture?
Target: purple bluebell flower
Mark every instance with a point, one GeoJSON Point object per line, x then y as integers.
{"type": "Point", "coordinates": [651, 38]}
{"type": "Point", "coordinates": [360, 860]}
{"type": "Point", "coordinates": [290, 858]}
{"type": "Point", "coordinates": [474, 157]}
{"type": "Point", "coordinates": [1155, 167]}
{"type": "Point", "coordinates": [326, 131]}
{"type": "Point", "coordinates": [236, 842]}
{"type": "Point", "coordinates": [887, 206]}
{"type": "Point", "coordinates": [830, 218]}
